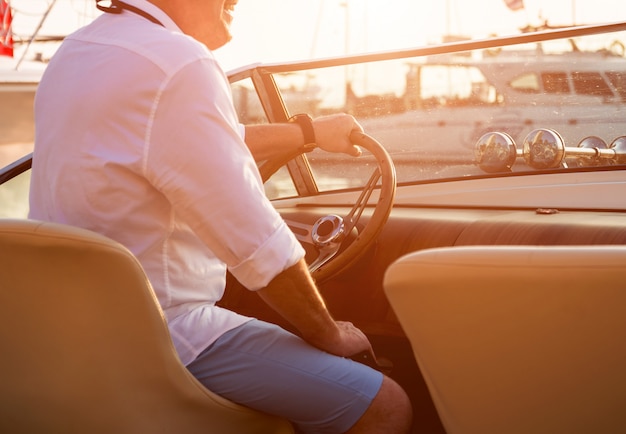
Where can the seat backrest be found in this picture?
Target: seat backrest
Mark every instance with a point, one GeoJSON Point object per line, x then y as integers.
{"type": "Point", "coordinates": [85, 348]}
{"type": "Point", "coordinates": [518, 339]}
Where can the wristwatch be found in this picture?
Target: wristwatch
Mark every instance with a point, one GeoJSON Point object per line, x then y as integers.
{"type": "Point", "coordinates": [306, 125]}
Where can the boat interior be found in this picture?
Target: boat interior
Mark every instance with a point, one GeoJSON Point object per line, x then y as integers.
{"type": "Point", "coordinates": [495, 297]}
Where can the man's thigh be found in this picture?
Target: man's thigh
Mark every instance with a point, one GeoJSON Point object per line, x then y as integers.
{"type": "Point", "coordinates": [264, 367]}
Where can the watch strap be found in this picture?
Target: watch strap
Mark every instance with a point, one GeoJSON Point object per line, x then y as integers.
{"type": "Point", "coordinates": [306, 125]}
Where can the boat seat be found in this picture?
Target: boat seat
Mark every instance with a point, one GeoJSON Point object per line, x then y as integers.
{"type": "Point", "coordinates": [85, 348]}
{"type": "Point", "coordinates": [518, 339]}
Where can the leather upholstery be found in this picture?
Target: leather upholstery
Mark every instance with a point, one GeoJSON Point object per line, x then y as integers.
{"type": "Point", "coordinates": [518, 339]}
{"type": "Point", "coordinates": [85, 348]}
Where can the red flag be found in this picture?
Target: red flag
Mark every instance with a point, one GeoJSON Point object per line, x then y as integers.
{"type": "Point", "coordinates": [6, 35]}
{"type": "Point", "coordinates": [514, 5]}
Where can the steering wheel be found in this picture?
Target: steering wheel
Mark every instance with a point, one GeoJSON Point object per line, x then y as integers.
{"type": "Point", "coordinates": [331, 235]}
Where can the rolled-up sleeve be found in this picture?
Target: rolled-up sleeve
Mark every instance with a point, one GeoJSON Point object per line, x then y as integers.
{"type": "Point", "coordinates": [279, 253]}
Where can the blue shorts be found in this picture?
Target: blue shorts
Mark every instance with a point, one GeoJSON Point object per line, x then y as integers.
{"type": "Point", "coordinates": [264, 367]}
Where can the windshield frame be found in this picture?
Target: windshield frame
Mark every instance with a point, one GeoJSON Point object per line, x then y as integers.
{"type": "Point", "coordinates": [272, 101]}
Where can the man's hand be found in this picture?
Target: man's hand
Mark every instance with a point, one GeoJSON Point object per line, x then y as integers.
{"type": "Point", "coordinates": [332, 133]}
{"type": "Point", "coordinates": [345, 340]}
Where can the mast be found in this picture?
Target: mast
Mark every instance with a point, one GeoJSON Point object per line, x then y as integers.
{"type": "Point", "coordinates": [35, 33]}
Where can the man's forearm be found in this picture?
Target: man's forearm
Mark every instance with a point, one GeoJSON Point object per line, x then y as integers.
{"type": "Point", "coordinates": [269, 140]}
{"type": "Point", "coordinates": [293, 294]}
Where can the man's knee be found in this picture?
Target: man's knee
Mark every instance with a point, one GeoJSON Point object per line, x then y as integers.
{"type": "Point", "coordinates": [390, 411]}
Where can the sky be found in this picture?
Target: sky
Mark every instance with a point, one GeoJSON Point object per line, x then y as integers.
{"type": "Point", "coordinates": [282, 30]}
{"type": "Point", "coordinates": [308, 28]}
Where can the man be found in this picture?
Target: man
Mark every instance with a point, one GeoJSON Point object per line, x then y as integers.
{"type": "Point", "coordinates": [137, 138]}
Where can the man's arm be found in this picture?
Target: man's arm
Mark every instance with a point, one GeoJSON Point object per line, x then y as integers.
{"type": "Point", "coordinates": [293, 294]}
{"type": "Point", "coordinates": [331, 132]}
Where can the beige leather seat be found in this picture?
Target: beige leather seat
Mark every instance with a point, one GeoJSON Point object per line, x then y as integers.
{"type": "Point", "coordinates": [518, 339]}
{"type": "Point", "coordinates": [85, 348]}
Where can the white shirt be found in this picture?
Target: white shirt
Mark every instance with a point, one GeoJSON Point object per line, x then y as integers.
{"type": "Point", "coordinates": [137, 139]}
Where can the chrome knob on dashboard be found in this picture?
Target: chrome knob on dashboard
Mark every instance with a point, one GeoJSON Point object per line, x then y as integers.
{"type": "Point", "coordinates": [589, 151]}
{"type": "Point", "coordinates": [543, 149]}
{"type": "Point", "coordinates": [618, 145]}
{"type": "Point", "coordinates": [592, 142]}
{"type": "Point", "coordinates": [495, 152]}
{"type": "Point", "coordinates": [327, 229]}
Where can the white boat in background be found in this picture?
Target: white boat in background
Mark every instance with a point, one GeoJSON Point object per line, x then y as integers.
{"type": "Point", "coordinates": [456, 98]}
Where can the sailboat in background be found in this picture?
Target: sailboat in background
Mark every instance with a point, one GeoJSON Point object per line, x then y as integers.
{"type": "Point", "coordinates": [24, 24]}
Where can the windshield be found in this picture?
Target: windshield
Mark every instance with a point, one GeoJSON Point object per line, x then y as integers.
{"type": "Point", "coordinates": [553, 105]}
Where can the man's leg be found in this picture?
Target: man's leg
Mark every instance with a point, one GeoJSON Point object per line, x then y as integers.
{"type": "Point", "coordinates": [264, 367]}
